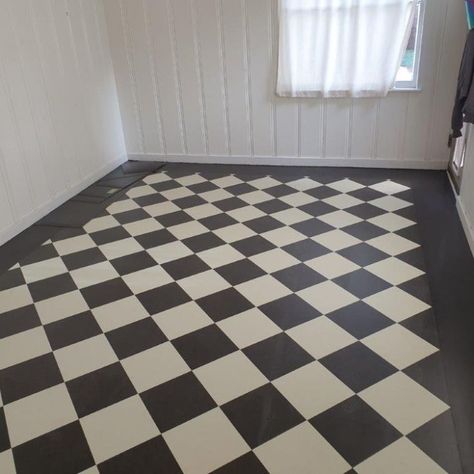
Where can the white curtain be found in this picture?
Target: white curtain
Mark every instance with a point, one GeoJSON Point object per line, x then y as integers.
{"type": "Point", "coordinates": [341, 48]}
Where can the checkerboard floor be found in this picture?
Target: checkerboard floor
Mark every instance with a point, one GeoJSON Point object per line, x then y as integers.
{"type": "Point", "coordinates": [213, 322]}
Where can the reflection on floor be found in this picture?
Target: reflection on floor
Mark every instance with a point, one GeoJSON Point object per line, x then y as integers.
{"type": "Point", "coordinates": [232, 322]}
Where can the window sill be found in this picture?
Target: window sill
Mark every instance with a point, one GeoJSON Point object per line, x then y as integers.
{"type": "Point", "coordinates": [406, 89]}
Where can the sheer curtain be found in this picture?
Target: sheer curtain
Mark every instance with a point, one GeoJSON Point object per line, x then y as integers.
{"type": "Point", "coordinates": [341, 48]}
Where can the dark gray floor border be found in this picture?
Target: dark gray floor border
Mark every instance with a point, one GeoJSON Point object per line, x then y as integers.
{"type": "Point", "coordinates": [449, 262]}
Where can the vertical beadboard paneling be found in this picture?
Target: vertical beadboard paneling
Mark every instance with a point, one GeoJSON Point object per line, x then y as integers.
{"type": "Point", "coordinates": [141, 67]}
{"type": "Point", "coordinates": [337, 128]}
{"type": "Point", "coordinates": [215, 68]}
{"type": "Point", "coordinates": [208, 20]}
{"type": "Point", "coordinates": [233, 30]}
{"type": "Point", "coordinates": [310, 127]}
{"type": "Point", "coordinates": [118, 48]}
{"type": "Point", "coordinates": [60, 125]}
{"type": "Point", "coordinates": [183, 18]}
{"type": "Point", "coordinates": [364, 119]}
{"type": "Point", "coordinates": [259, 47]}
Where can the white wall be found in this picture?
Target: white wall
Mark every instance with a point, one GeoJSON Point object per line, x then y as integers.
{"type": "Point", "coordinates": [466, 198]}
{"type": "Point", "coordinates": [60, 126]}
{"type": "Point", "coordinates": [196, 80]}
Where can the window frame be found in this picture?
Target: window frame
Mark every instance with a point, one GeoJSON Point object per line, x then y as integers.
{"type": "Point", "coordinates": [414, 84]}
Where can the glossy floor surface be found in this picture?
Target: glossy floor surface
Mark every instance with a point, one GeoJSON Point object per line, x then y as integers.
{"type": "Point", "coordinates": [237, 322]}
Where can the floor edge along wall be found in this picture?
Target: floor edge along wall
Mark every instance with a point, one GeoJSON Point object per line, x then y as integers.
{"type": "Point", "coordinates": [292, 161]}
{"type": "Point", "coordinates": [28, 220]}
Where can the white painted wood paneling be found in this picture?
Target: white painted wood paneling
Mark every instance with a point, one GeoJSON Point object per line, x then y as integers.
{"type": "Point", "coordinates": [465, 199]}
{"type": "Point", "coordinates": [60, 124]}
{"type": "Point", "coordinates": [215, 65]}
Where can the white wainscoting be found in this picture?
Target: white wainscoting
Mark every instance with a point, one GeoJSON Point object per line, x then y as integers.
{"type": "Point", "coordinates": [60, 125]}
{"type": "Point", "coordinates": [465, 200]}
{"type": "Point", "coordinates": [196, 80]}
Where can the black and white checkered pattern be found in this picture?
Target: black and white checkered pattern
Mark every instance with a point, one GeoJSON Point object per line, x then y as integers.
{"type": "Point", "coordinates": [223, 322]}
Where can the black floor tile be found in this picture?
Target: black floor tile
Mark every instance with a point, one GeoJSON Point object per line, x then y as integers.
{"type": "Point", "coordinates": [248, 463]}
{"type": "Point", "coordinates": [189, 201]}
{"type": "Point", "coordinates": [11, 279]}
{"type": "Point", "coordinates": [151, 457]}
{"type": "Point", "coordinates": [133, 263]}
{"type": "Point", "coordinates": [202, 242]}
{"type": "Point", "coordinates": [73, 329]}
{"type": "Point", "coordinates": [134, 215]}
{"type": "Point", "coordinates": [106, 236]}
{"type": "Point", "coordinates": [52, 453]}
{"type": "Point", "coordinates": [263, 224]}
{"type": "Point", "coordinates": [280, 190]}
{"type": "Point", "coordinates": [50, 287]}
{"type": "Point", "coordinates": [318, 208]}
{"type": "Point", "coordinates": [185, 267]}
{"type": "Point", "coordinates": [366, 194]}
{"type": "Point", "coordinates": [100, 389]}
{"type": "Point", "coordinates": [277, 355]}
{"type": "Point", "coordinates": [289, 311]}
{"type": "Point", "coordinates": [106, 292]}
{"type": "Point", "coordinates": [306, 250]}
{"type": "Point", "coordinates": [272, 206]}
{"type": "Point", "coordinates": [163, 298]}
{"type": "Point", "coordinates": [177, 401]}
{"type": "Point", "coordinates": [84, 258]}
{"type": "Point", "coordinates": [173, 218]}
{"type": "Point", "coordinates": [298, 277]}
{"type": "Point", "coordinates": [203, 346]}
{"type": "Point", "coordinates": [135, 337]}
{"type": "Point", "coordinates": [202, 187]}
{"type": "Point", "coordinates": [18, 320]}
{"type": "Point", "coordinates": [241, 188]}
{"type": "Point", "coordinates": [230, 204]}
{"type": "Point", "coordinates": [156, 238]}
{"type": "Point", "coordinates": [224, 304]}
{"type": "Point", "coordinates": [240, 271]}
{"type": "Point", "coordinates": [363, 254]}
{"type": "Point", "coordinates": [4, 438]}
{"type": "Point", "coordinates": [357, 366]}
{"type": "Point", "coordinates": [362, 283]}
{"type": "Point", "coordinates": [26, 378]}
{"type": "Point", "coordinates": [253, 245]}
{"type": "Point", "coordinates": [218, 221]}
{"type": "Point", "coordinates": [364, 230]}
{"type": "Point", "coordinates": [366, 211]}
{"type": "Point", "coordinates": [322, 192]}
{"type": "Point", "coordinates": [360, 319]}
{"type": "Point", "coordinates": [355, 430]}
{"type": "Point", "coordinates": [265, 403]}
{"type": "Point", "coordinates": [149, 199]}
{"type": "Point", "coordinates": [312, 227]}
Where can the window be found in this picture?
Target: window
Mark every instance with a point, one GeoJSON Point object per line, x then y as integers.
{"type": "Point", "coordinates": [408, 74]}
{"type": "Point", "coordinates": [348, 48]}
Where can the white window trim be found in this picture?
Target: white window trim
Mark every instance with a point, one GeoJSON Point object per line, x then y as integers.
{"type": "Point", "coordinates": [414, 85]}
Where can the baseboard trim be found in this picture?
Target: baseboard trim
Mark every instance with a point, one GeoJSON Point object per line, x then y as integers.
{"type": "Point", "coordinates": [293, 161]}
{"type": "Point", "coordinates": [468, 226]}
{"type": "Point", "coordinates": [61, 198]}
